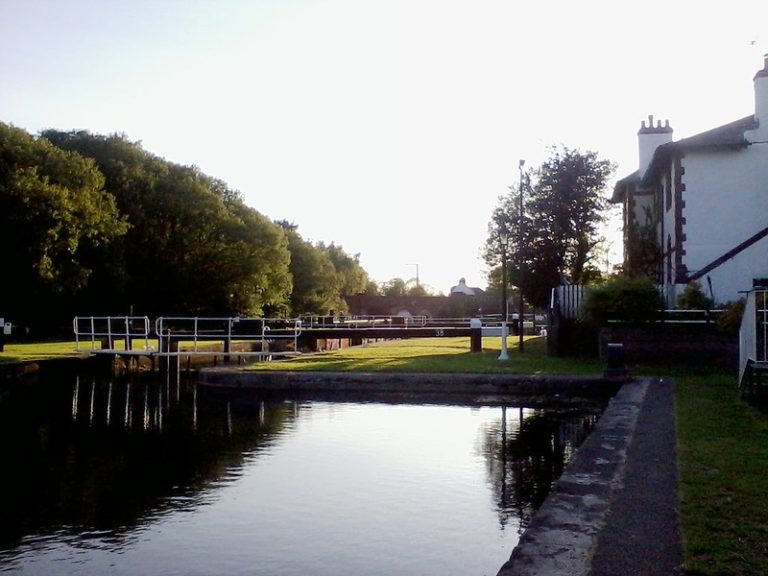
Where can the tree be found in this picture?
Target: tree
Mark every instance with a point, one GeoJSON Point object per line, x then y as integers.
{"type": "Point", "coordinates": [316, 285]}
{"type": "Point", "coordinates": [555, 240]}
{"type": "Point", "coordinates": [193, 247]}
{"type": "Point", "coordinates": [399, 287]}
{"type": "Point", "coordinates": [354, 278]}
{"type": "Point", "coordinates": [567, 204]}
{"type": "Point", "coordinates": [55, 218]}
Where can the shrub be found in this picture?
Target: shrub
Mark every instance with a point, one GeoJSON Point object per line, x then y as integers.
{"type": "Point", "coordinates": [729, 319]}
{"type": "Point", "coordinates": [624, 299]}
{"type": "Point", "coordinates": [693, 298]}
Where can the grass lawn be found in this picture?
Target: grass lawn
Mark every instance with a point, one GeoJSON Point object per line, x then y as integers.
{"type": "Point", "coordinates": [438, 355]}
{"type": "Point", "coordinates": [723, 459]}
{"type": "Point", "coordinates": [723, 441]}
{"type": "Point", "coordinates": [47, 350]}
{"type": "Point", "coordinates": [36, 351]}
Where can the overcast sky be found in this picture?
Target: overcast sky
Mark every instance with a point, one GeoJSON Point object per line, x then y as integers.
{"type": "Point", "coordinates": [387, 127]}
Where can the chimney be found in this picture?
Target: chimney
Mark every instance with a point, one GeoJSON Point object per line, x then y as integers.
{"type": "Point", "coordinates": [649, 138]}
{"type": "Point", "coordinates": [761, 97]}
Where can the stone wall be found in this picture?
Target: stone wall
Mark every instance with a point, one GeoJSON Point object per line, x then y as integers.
{"type": "Point", "coordinates": [673, 343]}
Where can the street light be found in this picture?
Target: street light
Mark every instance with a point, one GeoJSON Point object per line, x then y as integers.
{"type": "Point", "coordinates": [521, 165]}
{"type": "Point", "coordinates": [417, 273]}
{"type": "Point", "coordinates": [503, 241]}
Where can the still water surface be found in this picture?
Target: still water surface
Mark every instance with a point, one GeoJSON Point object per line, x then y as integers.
{"type": "Point", "coordinates": [142, 477]}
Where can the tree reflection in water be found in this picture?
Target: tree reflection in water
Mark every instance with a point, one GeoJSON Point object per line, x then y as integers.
{"type": "Point", "coordinates": [526, 452]}
{"type": "Point", "coordinates": [93, 463]}
{"type": "Point", "coordinates": [106, 455]}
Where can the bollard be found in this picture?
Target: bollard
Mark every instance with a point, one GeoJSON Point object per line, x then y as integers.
{"type": "Point", "coordinates": [615, 368]}
{"type": "Point", "coordinates": [476, 335]}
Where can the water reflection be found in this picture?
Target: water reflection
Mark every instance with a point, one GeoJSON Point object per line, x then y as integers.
{"type": "Point", "coordinates": [93, 467]}
{"type": "Point", "coordinates": [122, 451]}
{"type": "Point", "coordinates": [526, 452]}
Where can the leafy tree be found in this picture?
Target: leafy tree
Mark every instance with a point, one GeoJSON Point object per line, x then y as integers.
{"type": "Point", "coordinates": [693, 298]}
{"type": "Point", "coordinates": [399, 287]}
{"type": "Point", "coordinates": [372, 288]}
{"type": "Point", "coordinates": [555, 239]}
{"type": "Point", "coordinates": [193, 247]}
{"type": "Point", "coordinates": [316, 285]}
{"type": "Point", "coordinates": [354, 278]}
{"type": "Point", "coordinates": [567, 204]}
{"type": "Point", "coordinates": [55, 218]}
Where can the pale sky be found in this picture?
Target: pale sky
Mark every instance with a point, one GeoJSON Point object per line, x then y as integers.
{"type": "Point", "coordinates": [387, 127]}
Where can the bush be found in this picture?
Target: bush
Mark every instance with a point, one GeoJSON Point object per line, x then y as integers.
{"type": "Point", "coordinates": [693, 298]}
{"type": "Point", "coordinates": [729, 320]}
{"type": "Point", "coordinates": [624, 299]}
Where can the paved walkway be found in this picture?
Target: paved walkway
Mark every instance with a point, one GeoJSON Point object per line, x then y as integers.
{"type": "Point", "coordinates": [642, 532]}
{"type": "Point", "coordinates": [614, 512]}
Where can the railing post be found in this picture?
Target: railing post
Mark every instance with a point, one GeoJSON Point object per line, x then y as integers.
{"type": "Point", "coordinates": [109, 333]}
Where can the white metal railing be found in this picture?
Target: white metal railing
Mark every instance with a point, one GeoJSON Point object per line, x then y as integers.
{"type": "Point", "coordinates": [199, 330]}
{"type": "Point", "coordinates": [363, 321]}
{"type": "Point", "coordinates": [753, 333]}
{"type": "Point", "coordinates": [566, 300]}
{"type": "Point", "coordinates": [107, 330]}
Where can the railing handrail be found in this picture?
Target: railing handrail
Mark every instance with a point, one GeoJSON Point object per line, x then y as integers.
{"type": "Point", "coordinates": [105, 329]}
{"type": "Point", "coordinates": [224, 331]}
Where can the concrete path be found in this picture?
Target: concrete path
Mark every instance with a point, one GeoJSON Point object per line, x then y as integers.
{"type": "Point", "coordinates": [642, 532]}
{"type": "Point", "coordinates": [614, 511]}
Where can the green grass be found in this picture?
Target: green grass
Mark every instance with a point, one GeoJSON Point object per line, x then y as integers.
{"type": "Point", "coordinates": [32, 351]}
{"type": "Point", "coordinates": [36, 351]}
{"type": "Point", "coordinates": [723, 458]}
{"type": "Point", "coordinates": [437, 355]}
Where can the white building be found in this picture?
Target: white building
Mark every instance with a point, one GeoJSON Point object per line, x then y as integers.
{"type": "Point", "coordinates": [703, 201]}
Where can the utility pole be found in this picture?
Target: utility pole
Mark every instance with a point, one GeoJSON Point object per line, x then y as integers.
{"type": "Point", "coordinates": [521, 239]}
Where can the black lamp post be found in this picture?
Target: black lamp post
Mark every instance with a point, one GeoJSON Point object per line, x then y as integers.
{"type": "Point", "coordinates": [520, 257]}
{"type": "Point", "coordinates": [503, 240]}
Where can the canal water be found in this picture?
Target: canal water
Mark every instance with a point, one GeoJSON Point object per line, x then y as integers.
{"type": "Point", "coordinates": [132, 477]}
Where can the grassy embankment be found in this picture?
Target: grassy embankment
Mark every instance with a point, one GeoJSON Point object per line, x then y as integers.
{"type": "Point", "coordinates": [723, 458]}
{"type": "Point", "coordinates": [723, 442]}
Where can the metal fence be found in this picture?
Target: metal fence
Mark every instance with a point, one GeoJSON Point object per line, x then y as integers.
{"type": "Point", "coordinates": [106, 331]}
{"type": "Point", "coordinates": [567, 301]}
{"type": "Point", "coordinates": [753, 333]}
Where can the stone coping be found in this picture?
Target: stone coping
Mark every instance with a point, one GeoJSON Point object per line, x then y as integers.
{"type": "Point", "coordinates": [473, 387]}
{"type": "Point", "coordinates": [563, 534]}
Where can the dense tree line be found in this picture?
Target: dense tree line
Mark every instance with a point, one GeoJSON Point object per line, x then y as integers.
{"type": "Point", "coordinates": [93, 224]}
{"type": "Point", "coordinates": [555, 239]}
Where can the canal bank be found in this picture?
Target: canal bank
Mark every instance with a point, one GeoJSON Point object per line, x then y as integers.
{"type": "Point", "coordinates": [529, 390]}
{"type": "Point", "coordinates": [615, 508]}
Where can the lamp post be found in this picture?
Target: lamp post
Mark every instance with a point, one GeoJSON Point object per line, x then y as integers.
{"type": "Point", "coordinates": [503, 239]}
{"type": "Point", "coordinates": [520, 256]}
{"type": "Point", "coordinates": [417, 273]}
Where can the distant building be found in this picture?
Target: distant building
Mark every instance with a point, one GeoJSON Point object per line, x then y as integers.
{"type": "Point", "coordinates": [462, 288]}
{"type": "Point", "coordinates": [702, 202]}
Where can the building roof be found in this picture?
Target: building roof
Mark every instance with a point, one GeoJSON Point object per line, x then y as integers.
{"type": "Point", "coordinates": [727, 136]}
{"type": "Point", "coordinates": [619, 187]}
{"type": "Point", "coordinates": [462, 288]}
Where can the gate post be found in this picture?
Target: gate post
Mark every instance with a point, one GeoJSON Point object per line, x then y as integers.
{"type": "Point", "coordinates": [476, 335]}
